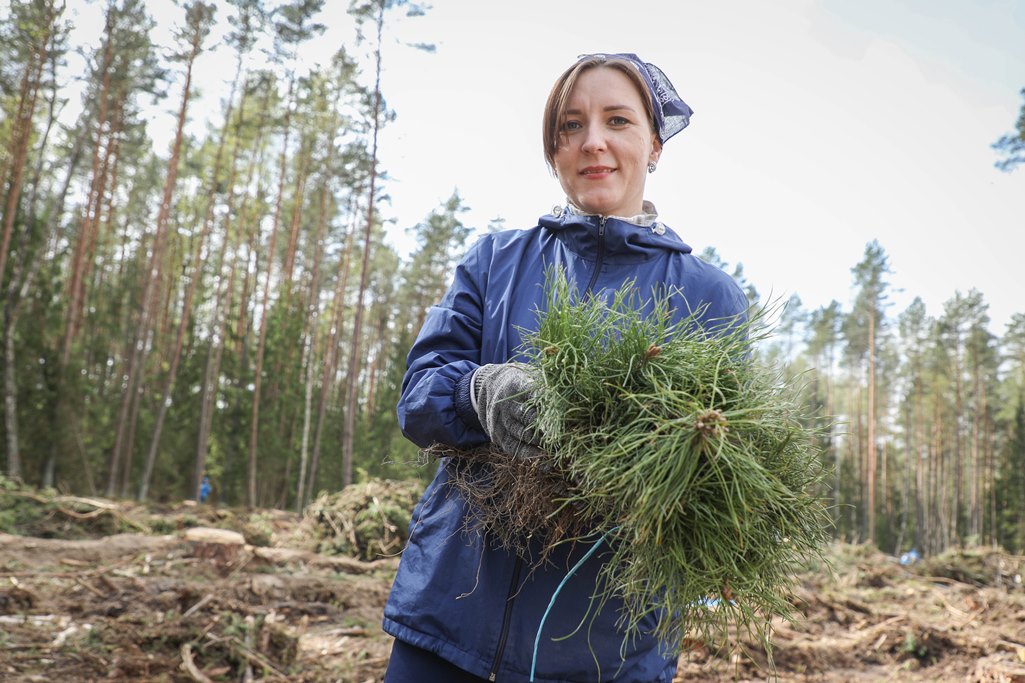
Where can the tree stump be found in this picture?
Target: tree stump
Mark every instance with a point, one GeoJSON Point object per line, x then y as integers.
{"type": "Point", "coordinates": [223, 548]}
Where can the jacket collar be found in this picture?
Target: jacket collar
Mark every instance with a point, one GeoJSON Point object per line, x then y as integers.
{"type": "Point", "coordinates": [647, 216]}
{"type": "Point", "coordinates": [630, 239]}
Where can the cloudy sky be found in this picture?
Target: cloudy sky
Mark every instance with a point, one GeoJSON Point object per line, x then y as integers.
{"type": "Point", "coordinates": [819, 126]}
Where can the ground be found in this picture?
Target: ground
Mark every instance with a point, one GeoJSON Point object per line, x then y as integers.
{"type": "Point", "coordinates": [122, 592]}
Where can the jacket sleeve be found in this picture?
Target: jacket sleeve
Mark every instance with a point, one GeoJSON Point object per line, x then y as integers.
{"type": "Point", "coordinates": [727, 305]}
{"type": "Point", "coordinates": [731, 302]}
{"type": "Point", "coordinates": [435, 404]}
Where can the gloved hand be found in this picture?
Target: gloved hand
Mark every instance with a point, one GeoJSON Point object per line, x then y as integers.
{"type": "Point", "coordinates": [501, 390]}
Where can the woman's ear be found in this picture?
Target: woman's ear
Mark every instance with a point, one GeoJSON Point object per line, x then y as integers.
{"type": "Point", "coordinates": [656, 149]}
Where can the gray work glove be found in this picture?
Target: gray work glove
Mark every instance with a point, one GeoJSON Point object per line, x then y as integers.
{"type": "Point", "coordinates": [500, 391]}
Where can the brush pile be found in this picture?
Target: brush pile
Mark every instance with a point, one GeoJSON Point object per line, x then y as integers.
{"type": "Point", "coordinates": [366, 521]}
{"type": "Point", "coordinates": [695, 461]}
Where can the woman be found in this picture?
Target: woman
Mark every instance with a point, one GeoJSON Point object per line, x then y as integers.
{"type": "Point", "coordinates": [459, 609]}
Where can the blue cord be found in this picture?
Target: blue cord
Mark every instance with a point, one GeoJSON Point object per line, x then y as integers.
{"type": "Point", "coordinates": [537, 638]}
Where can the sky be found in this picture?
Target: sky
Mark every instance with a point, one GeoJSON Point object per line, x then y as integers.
{"type": "Point", "coordinates": [819, 126]}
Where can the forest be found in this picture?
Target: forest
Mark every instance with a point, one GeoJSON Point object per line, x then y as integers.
{"type": "Point", "coordinates": [227, 303]}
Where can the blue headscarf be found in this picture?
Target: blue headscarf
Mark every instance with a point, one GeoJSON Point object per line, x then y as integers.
{"type": "Point", "coordinates": [671, 113]}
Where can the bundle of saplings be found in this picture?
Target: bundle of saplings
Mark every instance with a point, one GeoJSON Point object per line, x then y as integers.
{"type": "Point", "coordinates": [673, 444]}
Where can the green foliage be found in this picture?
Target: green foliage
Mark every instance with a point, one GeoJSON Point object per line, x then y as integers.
{"type": "Point", "coordinates": [1010, 485]}
{"type": "Point", "coordinates": [912, 647]}
{"type": "Point", "coordinates": [678, 448]}
{"type": "Point", "coordinates": [1012, 145]}
{"type": "Point", "coordinates": [870, 278]}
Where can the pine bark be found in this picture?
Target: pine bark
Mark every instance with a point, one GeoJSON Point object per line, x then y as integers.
{"type": "Point", "coordinates": [121, 457]}
{"type": "Point", "coordinates": [331, 361]}
{"type": "Point", "coordinates": [312, 308]}
{"type": "Point", "coordinates": [352, 377]}
{"type": "Point", "coordinates": [197, 274]}
{"type": "Point", "coordinates": [261, 345]}
{"type": "Point", "coordinates": [871, 455]}
{"type": "Point", "coordinates": [21, 140]}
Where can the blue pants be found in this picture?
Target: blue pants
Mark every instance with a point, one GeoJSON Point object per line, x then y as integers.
{"type": "Point", "coordinates": [409, 664]}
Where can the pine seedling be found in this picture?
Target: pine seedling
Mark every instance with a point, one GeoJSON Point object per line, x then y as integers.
{"type": "Point", "coordinates": [673, 443]}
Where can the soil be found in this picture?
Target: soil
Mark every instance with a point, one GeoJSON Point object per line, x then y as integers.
{"type": "Point", "coordinates": [109, 591]}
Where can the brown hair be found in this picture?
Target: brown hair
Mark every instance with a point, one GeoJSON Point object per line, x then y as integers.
{"type": "Point", "coordinates": [556, 104]}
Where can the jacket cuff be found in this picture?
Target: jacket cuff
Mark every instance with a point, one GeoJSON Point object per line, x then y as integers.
{"type": "Point", "coordinates": [463, 400]}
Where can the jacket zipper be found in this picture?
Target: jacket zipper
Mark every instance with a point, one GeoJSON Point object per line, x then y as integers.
{"type": "Point", "coordinates": [601, 255]}
{"type": "Point", "coordinates": [506, 618]}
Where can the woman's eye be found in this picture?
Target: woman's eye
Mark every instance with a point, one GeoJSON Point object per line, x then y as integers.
{"type": "Point", "coordinates": [619, 121]}
{"type": "Point", "coordinates": [568, 126]}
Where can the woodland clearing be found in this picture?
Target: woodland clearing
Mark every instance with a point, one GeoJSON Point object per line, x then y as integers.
{"type": "Point", "coordinates": [102, 590]}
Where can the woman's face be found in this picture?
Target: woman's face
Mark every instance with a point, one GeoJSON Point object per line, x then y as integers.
{"type": "Point", "coordinates": [605, 144]}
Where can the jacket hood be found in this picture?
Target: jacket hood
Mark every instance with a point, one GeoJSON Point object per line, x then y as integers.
{"type": "Point", "coordinates": [624, 241]}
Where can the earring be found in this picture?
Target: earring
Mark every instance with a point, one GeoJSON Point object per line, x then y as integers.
{"type": "Point", "coordinates": [651, 167]}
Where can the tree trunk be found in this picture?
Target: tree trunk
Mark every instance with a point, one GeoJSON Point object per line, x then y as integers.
{"type": "Point", "coordinates": [958, 458]}
{"type": "Point", "coordinates": [77, 279]}
{"type": "Point", "coordinates": [21, 139]}
{"type": "Point", "coordinates": [302, 170]}
{"type": "Point", "coordinates": [254, 422]}
{"type": "Point", "coordinates": [17, 288]}
{"type": "Point", "coordinates": [11, 396]}
{"type": "Point", "coordinates": [151, 286]}
{"type": "Point", "coordinates": [62, 421]}
{"type": "Point", "coordinates": [51, 119]}
{"type": "Point", "coordinates": [870, 466]}
{"type": "Point", "coordinates": [222, 304]}
{"type": "Point", "coordinates": [352, 378]}
{"type": "Point", "coordinates": [307, 410]}
{"type": "Point", "coordinates": [197, 275]}
{"type": "Point", "coordinates": [920, 448]}
{"type": "Point", "coordinates": [331, 361]}
{"type": "Point", "coordinates": [16, 295]}
{"type": "Point", "coordinates": [312, 308]}
{"type": "Point", "coordinates": [974, 474]}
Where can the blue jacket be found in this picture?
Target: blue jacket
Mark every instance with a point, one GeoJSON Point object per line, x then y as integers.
{"type": "Point", "coordinates": [478, 607]}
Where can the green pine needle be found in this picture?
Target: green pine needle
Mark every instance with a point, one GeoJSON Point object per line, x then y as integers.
{"type": "Point", "coordinates": [680, 440]}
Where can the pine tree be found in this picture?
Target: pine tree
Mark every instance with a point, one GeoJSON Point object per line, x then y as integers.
{"type": "Point", "coordinates": [865, 332]}
{"type": "Point", "coordinates": [293, 27]}
{"type": "Point", "coordinates": [1012, 145]}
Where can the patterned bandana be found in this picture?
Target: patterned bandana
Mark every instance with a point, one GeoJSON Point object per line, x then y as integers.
{"type": "Point", "coordinates": [671, 113]}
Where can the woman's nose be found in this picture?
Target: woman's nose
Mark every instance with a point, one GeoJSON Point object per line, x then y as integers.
{"type": "Point", "coordinates": [594, 140]}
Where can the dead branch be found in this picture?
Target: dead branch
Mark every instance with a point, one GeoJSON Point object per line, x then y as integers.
{"type": "Point", "coordinates": [195, 608]}
{"type": "Point", "coordinates": [99, 507]}
{"type": "Point", "coordinates": [352, 631]}
{"type": "Point", "coordinates": [337, 563]}
{"type": "Point", "coordinates": [88, 586]}
{"type": "Point", "coordinates": [256, 658]}
{"type": "Point", "coordinates": [190, 667]}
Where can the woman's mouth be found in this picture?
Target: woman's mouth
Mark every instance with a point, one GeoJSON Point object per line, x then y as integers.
{"type": "Point", "coordinates": [597, 170]}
